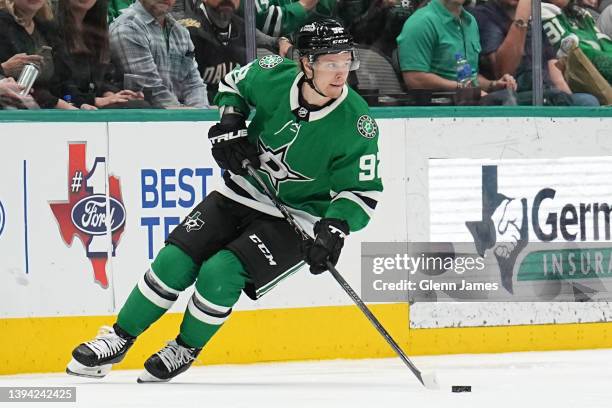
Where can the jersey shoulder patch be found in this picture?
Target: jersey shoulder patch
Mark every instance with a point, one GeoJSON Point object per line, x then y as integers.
{"type": "Point", "coordinates": [367, 127]}
{"type": "Point", "coordinates": [270, 61]}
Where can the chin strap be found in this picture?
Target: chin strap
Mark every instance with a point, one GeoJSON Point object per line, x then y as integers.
{"type": "Point", "coordinates": [310, 81]}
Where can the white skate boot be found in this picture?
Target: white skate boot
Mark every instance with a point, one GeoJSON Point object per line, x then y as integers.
{"type": "Point", "coordinates": [95, 358]}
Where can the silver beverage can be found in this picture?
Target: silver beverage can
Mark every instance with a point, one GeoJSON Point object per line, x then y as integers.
{"type": "Point", "coordinates": [28, 76]}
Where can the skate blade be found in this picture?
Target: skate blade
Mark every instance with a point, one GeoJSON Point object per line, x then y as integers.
{"type": "Point", "coordinates": [147, 377]}
{"type": "Point", "coordinates": [80, 370]}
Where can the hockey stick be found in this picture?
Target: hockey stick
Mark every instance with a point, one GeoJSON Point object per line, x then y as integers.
{"type": "Point", "coordinates": [429, 379]}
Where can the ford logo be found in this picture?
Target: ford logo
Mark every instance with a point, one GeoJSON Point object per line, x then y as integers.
{"type": "Point", "coordinates": [89, 214]}
{"type": "Point", "coordinates": [2, 218]}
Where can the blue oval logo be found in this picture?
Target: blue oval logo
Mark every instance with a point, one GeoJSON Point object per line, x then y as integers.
{"type": "Point", "coordinates": [89, 214]}
{"type": "Point", "coordinates": [2, 218]}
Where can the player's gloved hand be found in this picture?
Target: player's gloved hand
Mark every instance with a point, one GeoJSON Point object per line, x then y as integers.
{"type": "Point", "coordinates": [230, 145]}
{"type": "Point", "coordinates": [328, 242]}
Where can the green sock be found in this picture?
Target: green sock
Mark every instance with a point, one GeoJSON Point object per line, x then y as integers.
{"type": "Point", "coordinates": [172, 272]}
{"type": "Point", "coordinates": [218, 286]}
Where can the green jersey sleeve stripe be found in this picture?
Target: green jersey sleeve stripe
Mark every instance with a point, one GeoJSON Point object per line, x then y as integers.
{"type": "Point", "coordinates": [275, 16]}
{"type": "Point", "coordinates": [365, 206]}
{"type": "Point", "coordinates": [277, 25]}
{"type": "Point", "coordinates": [228, 84]}
{"type": "Point", "coordinates": [372, 195]}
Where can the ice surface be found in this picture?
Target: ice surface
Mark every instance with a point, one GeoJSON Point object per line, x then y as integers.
{"type": "Point", "coordinates": [519, 380]}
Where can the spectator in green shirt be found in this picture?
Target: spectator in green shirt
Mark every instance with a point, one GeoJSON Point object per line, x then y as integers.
{"type": "Point", "coordinates": [429, 41]}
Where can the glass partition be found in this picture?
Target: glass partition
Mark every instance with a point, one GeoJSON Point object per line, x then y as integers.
{"type": "Point", "coordinates": [66, 54]}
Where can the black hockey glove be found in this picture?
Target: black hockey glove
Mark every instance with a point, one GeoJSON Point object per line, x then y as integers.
{"type": "Point", "coordinates": [328, 242]}
{"type": "Point", "coordinates": [230, 145]}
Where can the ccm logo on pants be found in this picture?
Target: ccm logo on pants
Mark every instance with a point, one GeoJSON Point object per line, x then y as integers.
{"type": "Point", "coordinates": [264, 249]}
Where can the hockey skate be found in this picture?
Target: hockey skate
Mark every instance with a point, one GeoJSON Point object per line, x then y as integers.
{"type": "Point", "coordinates": [95, 358]}
{"type": "Point", "coordinates": [168, 362]}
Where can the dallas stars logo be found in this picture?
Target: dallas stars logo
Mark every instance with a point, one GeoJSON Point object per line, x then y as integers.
{"type": "Point", "coordinates": [274, 163]}
{"type": "Point", "coordinates": [193, 222]}
{"type": "Point", "coordinates": [270, 61]}
{"type": "Point", "coordinates": [367, 127]}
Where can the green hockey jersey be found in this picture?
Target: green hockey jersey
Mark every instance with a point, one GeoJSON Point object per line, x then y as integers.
{"type": "Point", "coordinates": [284, 17]}
{"type": "Point", "coordinates": [596, 45]}
{"type": "Point", "coordinates": [116, 7]}
{"type": "Point", "coordinates": [322, 163]}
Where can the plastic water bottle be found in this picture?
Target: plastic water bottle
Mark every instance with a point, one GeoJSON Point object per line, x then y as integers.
{"type": "Point", "coordinates": [463, 70]}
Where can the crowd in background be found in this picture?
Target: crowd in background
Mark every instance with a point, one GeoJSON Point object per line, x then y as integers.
{"type": "Point", "coordinates": [95, 54]}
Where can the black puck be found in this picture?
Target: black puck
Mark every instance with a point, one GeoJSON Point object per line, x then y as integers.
{"type": "Point", "coordinates": [461, 388]}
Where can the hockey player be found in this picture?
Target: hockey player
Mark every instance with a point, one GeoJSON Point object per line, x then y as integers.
{"type": "Point", "coordinates": [314, 142]}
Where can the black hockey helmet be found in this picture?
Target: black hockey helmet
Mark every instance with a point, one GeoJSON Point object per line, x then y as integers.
{"type": "Point", "coordinates": [325, 36]}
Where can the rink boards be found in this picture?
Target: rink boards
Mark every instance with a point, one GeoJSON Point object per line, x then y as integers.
{"type": "Point", "coordinates": [64, 270]}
